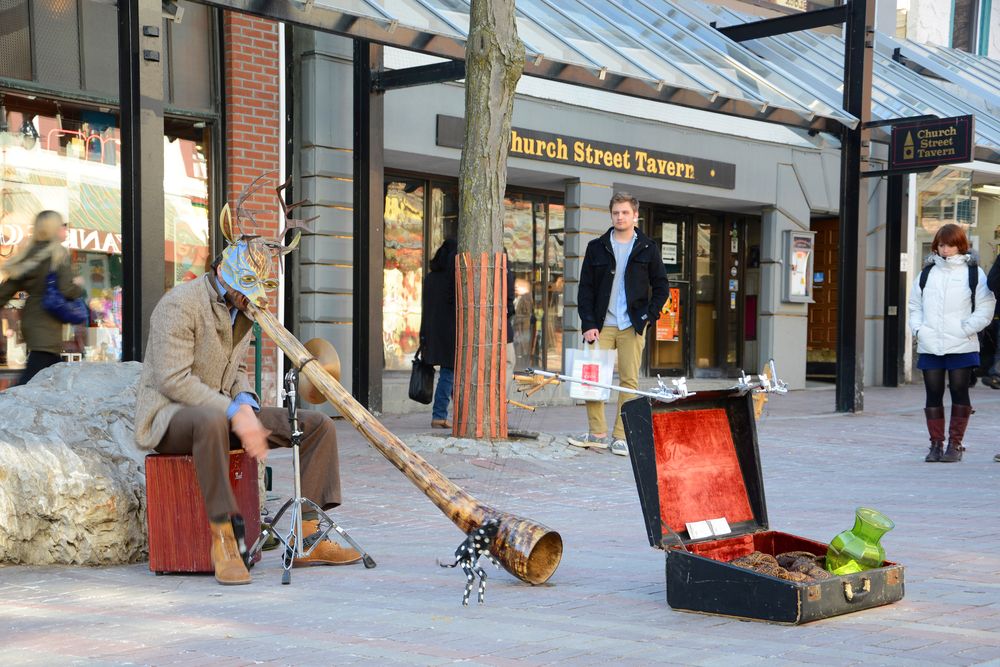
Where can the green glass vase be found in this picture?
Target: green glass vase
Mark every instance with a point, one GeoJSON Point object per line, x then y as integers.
{"type": "Point", "coordinates": [858, 549]}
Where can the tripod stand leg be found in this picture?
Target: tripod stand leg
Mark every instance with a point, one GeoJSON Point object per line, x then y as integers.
{"type": "Point", "coordinates": [293, 543]}
{"type": "Point", "coordinates": [324, 519]}
{"type": "Point", "coordinates": [267, 530]}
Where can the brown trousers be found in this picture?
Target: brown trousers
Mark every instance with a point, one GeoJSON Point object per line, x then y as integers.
{"type": "Point", "coordinates": [204, 433]}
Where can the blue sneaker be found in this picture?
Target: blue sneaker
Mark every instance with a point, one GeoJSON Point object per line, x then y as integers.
{"type": "Point", "coordinates": [590, 441]}
{"type": "Point", "coordinates": [619, 447]}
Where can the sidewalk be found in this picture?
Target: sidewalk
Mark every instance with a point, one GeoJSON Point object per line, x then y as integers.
{"type": "Point", "coordinates": [606, 602]}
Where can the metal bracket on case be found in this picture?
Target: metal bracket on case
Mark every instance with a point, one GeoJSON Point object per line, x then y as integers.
{"type": "Point", "coordinates": [763, 384]}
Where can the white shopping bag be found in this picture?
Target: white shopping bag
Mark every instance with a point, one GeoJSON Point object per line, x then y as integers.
{"type": "Point", "coordinates": [594, 365]}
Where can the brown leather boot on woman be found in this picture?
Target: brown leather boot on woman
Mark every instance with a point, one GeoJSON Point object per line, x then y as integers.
{"type": "Point", "coordinates": [956, 431]}
{"type": "Point", "coordinates": [935, 426]}
{"type": "Point", "coordinates": [229, 567]}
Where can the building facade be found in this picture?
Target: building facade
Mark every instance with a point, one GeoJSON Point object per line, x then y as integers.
{"type": "Point", "coordinates": [60, 148]}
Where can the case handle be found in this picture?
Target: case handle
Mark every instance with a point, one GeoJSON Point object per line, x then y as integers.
{"type": "Point", "coordinates": [851, 595]}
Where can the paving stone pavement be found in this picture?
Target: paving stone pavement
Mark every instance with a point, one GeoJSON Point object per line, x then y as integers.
{"type": "Point", "coordinates": [605, 604]}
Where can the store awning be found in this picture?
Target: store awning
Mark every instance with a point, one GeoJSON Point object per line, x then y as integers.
{"type": "Point", "coordinates": [816, 60]}
{"type": "Point", "coordinates": [654, 49]}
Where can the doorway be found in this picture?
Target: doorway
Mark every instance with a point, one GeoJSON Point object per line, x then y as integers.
{"type": "Point", "coordinates": [701, 329]}
{"type": "Point", "coordinates": [821, 334]}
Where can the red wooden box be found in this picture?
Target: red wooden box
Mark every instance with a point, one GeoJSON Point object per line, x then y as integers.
{"type": "Point", "coordinates": [176, 523]}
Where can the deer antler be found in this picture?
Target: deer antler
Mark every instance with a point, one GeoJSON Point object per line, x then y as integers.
{"type": "Point", "coordinates": [243, 212]}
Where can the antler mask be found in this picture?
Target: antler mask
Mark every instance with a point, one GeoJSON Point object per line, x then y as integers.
{"type": "Point", "coordinates": [246, 262]}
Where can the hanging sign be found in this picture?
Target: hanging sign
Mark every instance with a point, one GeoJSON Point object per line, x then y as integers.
{"type": "Point", "coordinates": [929, 143]}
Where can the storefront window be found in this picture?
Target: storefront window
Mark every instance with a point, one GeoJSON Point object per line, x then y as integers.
{"type": "Point", "coordinates": [415, 227]}
{"type": "Point", "coordinates": [533, 238]}
{"type": "Point", "coordinates": [186, 206]}
{"type": "Point", "coordinates": [65, 160]}
{"type": "Point", "coordinates": [945, 196]}
{"type": "Point", "coordinates": [403, 276]}
{"type": "Point", "coordinates": [555, 262]}
{"type": "Point", "coordinates": [970, 199]}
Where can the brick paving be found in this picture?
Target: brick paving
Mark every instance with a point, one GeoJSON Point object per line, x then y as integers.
{"type": "Point", "coordinates": [606, 603]}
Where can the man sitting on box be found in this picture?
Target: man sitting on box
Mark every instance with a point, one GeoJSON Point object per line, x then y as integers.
{"type": "Point", "coordinates": [194, 397]}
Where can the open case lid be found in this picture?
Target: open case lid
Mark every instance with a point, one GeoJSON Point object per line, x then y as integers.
{"type": "Point", "coordinates": [696, 459]}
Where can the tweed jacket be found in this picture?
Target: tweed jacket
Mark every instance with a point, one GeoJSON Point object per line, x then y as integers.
{"type": "Point", "coordinates": [194, 357]}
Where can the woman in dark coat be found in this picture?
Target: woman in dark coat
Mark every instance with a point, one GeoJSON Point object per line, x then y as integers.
{"type": "Point", "coordinates": [437, 327]}
{"type": "Point", "coordinates": [27, 271]}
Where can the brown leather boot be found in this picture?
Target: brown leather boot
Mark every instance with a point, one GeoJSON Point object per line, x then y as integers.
{"type": "Point", "coordinates": [326, 552]}
{"type": "Point", "coordinates": [935, 426]}
{"type": "Point", "coordinates": [956, 431]}
{"type": "Point", "coordinates": [229, 567]}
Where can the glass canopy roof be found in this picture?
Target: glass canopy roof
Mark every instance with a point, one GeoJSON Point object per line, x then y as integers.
{"type": "Point", "coordinates": [817, 59]}
{"type": "Point", "coordinates": [655, 49]}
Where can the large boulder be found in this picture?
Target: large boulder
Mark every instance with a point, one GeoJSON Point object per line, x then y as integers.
{"type": "Point", "coordinates": [72, 482]}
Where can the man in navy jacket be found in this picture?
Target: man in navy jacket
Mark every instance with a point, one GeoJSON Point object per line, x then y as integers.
{"type": "Point", "coordinates": [623, 286]}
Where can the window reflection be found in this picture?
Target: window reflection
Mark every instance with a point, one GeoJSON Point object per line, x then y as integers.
{"type": "Point", "coordinates": [187, 223]}
{"type": "Point", "coordinates": [416, 225]}
{"type": "Point", "coordinates": [403, 277]}
{"type": "Point", "coordinates": [66, 160]}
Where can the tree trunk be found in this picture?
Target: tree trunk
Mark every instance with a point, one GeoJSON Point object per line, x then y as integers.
{"type": "Point", "coordinates": [494, 58]}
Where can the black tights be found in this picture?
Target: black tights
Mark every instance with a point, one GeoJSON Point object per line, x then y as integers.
{"type": "Point", "coordinates": [958, 384]}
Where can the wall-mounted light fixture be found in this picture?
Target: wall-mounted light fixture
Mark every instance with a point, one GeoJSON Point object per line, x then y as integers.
{"type": "Point", "coordinates": [172, 11]}
{"type": "Point", "coordinates": [29, 134]}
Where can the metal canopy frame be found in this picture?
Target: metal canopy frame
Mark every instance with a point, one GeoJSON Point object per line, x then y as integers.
{"type": "Point", "coordinates": [897, 91]}
{"type": "Point", "coordinates": [977, 75]}
{"type": "Point", "coordinates": [779, 100]}
{"type": "Point", "coordinates": [741, 32]}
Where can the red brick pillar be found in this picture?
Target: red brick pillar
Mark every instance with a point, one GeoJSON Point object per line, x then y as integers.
{"type": "Point", "coordinates": [252, 140]}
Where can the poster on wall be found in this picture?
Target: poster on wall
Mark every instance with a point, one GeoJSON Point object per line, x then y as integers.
{"type": "Point", "coordinates": [669, 325]}
{"type": "Point", "coordinates": [669, 232]}
{"type": "Point", "coordinates": [799, 260]}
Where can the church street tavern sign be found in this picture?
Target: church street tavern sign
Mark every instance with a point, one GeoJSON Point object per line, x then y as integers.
{"type": "Point", "coordinates": [928, 143]}
{"type": "Point", "coordinates": [600, 155]}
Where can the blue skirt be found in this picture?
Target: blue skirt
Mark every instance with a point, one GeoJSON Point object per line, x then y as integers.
{"type": "Point", "coordinates": [948, 362]}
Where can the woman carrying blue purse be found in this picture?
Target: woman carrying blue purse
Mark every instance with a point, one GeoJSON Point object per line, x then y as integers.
{"type": "Point", "coordinates": [28, 270]}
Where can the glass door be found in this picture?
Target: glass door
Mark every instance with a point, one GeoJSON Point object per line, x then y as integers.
{"type": "Point", "coordinates": [668, 341]}
{"type": "Point", "coordinates": [718, 277]}
{"type": "Point", "coordinates": [707, 294]}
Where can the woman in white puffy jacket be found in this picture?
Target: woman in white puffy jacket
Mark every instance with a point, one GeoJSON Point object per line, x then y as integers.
{"type": "Point", "coordinates": [943, 320]}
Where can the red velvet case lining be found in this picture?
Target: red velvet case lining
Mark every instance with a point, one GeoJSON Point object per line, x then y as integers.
{"type": "Point", "coordinates": [769, 542]}
{"type": "Point", "coordinates": [698, 474]}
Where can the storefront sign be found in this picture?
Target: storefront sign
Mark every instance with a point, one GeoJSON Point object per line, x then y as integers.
{"type": "Point", "coordinates": [577, 152]}
{"type": "Point", "coordinates": [930, 143]}
{"type": "Point", "coordinates": [92, 240]}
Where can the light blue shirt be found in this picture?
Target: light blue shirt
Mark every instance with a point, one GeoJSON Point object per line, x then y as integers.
{"type": "Point", "coordinates": [242, 398]}
{"type": "Point", "coordinates": [618, 303]}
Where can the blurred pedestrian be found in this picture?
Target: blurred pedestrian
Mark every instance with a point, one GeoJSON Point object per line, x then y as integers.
{"type": "Point", "coordinates": [437, 328]}
{"type": "Point", "coordinates": [27, 271]}
{"type": "Point", "coordinates": [949, 304]}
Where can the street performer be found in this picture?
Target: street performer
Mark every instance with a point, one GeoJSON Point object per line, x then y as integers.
{"type": "Point", "coordinates": [194, 397]}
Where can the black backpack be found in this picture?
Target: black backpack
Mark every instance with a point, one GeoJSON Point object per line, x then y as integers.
{"type": "Point", "coordinates": [973, 280]}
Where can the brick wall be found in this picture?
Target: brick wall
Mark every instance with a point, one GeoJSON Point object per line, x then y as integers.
{"type": "Point", "coordinates": [252, 137]}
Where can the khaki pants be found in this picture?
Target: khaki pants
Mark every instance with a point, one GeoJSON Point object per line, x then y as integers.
{"type": "Point", "coordinates": [629, 346]}
{"type": "Point", "coordinates": [204, 433]}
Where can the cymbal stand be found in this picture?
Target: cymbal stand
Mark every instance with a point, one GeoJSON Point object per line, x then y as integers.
{"type": "Point", "coordinates": [295, 544]}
